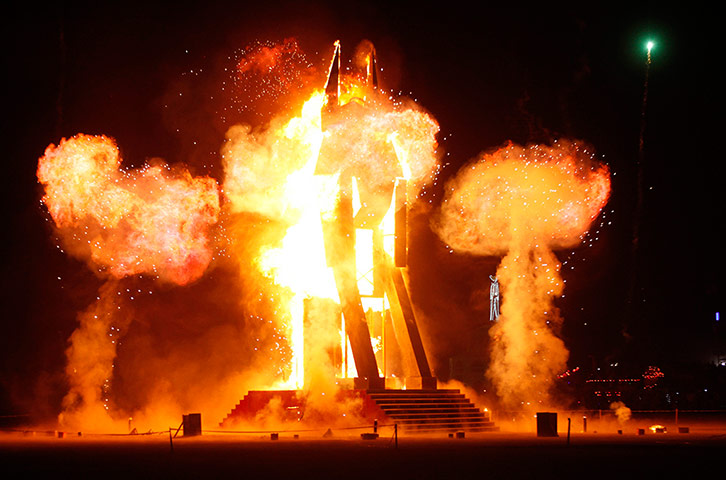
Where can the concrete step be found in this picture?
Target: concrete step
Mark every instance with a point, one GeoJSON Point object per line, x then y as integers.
{"type": "Point", "coordinates": [410, 394]}
{"type": "Point", "coordinates": [431, 411]}
{"type": "Point", "coordinates": [426, 411]}
{"type": "Point", "coordinates": [413, 391]}
{"type": "Point", "coordinates": [436, 420]}
{"type": "Point", "coordinates": [414, 416]}
{"type": "Point", "coordinates": [414, 401]}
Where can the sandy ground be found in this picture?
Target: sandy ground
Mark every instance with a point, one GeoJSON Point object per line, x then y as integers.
{"type": "Point", "coordinates": [346, 455]}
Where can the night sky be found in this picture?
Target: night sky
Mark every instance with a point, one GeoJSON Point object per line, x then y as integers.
{"type": "Point", "coordinates": [488, 75]}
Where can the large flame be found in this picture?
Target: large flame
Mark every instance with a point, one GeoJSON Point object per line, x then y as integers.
{"type": "Point", "coordinates": [274, 172]}
{"type": "Point", "coordinates": [523, 202]}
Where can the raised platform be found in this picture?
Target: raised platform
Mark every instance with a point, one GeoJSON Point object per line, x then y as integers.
{"type": "Point", "coordinates": [415, 411]}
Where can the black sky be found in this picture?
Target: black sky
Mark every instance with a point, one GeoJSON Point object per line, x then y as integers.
{"type": "Point", "coordinates": [488, 74]}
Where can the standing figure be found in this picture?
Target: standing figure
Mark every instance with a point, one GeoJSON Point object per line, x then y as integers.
{"type": "Point", "coordinates": [494, 299]}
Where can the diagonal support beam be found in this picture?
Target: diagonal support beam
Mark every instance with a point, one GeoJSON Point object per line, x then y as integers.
{"type": "Point", "coordinates": [404, 320]}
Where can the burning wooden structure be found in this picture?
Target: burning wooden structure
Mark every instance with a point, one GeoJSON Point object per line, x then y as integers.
{"type": "Point", "coordinates": [375, 198]}
{"type": "Point", "coordinates": [401, 389]}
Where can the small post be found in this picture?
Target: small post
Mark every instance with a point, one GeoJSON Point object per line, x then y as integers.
{"type": "Point", "coordinates": [171, 442]}
{"type": "Point", "coordinates": [569, 422]}
{"type": "Point", "coordinates": [584, 423]}
{"type": "Point", "coordinates": [375, 426]}
{"type": "Point", "coordinates": [395, 434]}
{"type": "Point", "coordinates": [676, 416]}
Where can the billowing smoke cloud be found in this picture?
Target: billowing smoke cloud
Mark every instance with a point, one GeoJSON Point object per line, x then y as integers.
{"type": "Point", "coordinates": [154, 221]}
{"type": "Point", "coordinates": [523, 202]}
{"type": "Point", "coordinates": [91, 356]}
{"type": "Point", "coordinates": [621, 411]}
{"type": "Point", "coordinates": [258, 162]}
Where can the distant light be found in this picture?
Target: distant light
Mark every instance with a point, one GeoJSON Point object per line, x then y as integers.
{"type": "Point", "coordinates": [718, 316]}
{"type": "Point", "coordinates": [650, 45]}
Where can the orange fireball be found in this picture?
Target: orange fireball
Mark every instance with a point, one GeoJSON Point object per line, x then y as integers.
{"type": "Point", "coordinates": [155, 220]}
{"type": "Point", "coordinates": [523, 202]}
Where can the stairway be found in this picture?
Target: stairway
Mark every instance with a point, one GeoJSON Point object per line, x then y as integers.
{"type": "Point", "coordinates": [432, 411]}
{"type": "Point", "coordinates": [415, 411]}
{"type": "Point", "coordinates": [288, 402]}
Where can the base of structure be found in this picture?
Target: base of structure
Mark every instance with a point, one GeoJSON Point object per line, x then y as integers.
{"type": "Point", "coordinates": [373, 383]}
{"type": "Point", "coordinates": [412, 410]}
{"type": "Point", "coordinates": [388, 383]}
{"type": "Point", "coordinates": [411, 383]}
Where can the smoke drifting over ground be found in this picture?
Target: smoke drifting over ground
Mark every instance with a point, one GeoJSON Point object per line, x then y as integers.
{"type": "Point", "coordinates": [523, 202]}
{"type": "Point", "coordinates": [621, 411]}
